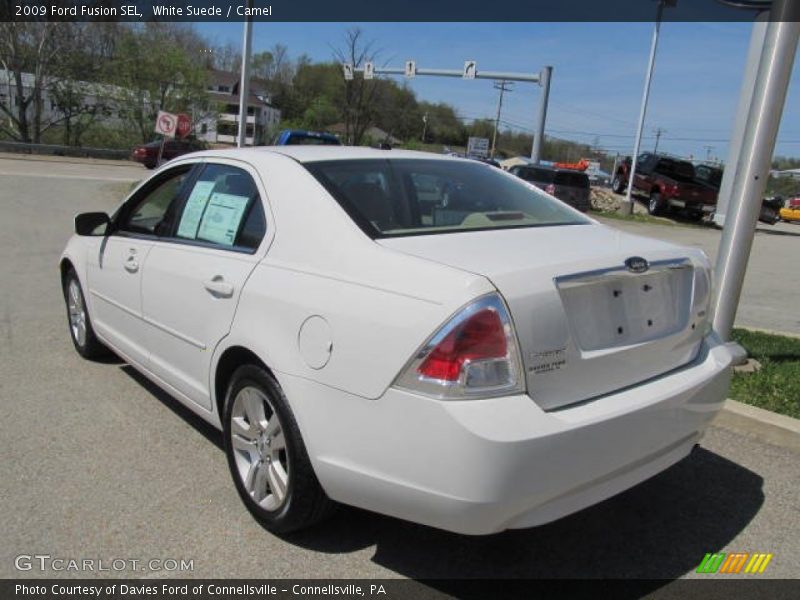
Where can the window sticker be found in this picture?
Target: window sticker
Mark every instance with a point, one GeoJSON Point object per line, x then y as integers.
{"type": "Point", "coordinates": [222, 218]}
{"type": "Point", "coordinates": [193, 211]}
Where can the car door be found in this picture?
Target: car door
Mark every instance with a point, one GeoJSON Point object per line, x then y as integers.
{"type": "Point", "coordinates": [644, 167]}
{"type": "Point", "coordinates": [193, 280]}
{"type": "Point", "coordinates": [114, 272]}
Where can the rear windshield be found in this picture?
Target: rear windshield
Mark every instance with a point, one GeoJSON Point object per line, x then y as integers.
{"type": "Point", "coordinates": [571, 179]}
{"type": "Point", "coordinates": [388, 197]}
{"type": "Point", "coordinates": [537, 175]}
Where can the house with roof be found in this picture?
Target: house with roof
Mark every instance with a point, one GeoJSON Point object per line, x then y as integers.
{"type": "Point", "coordinates": [221, 126]}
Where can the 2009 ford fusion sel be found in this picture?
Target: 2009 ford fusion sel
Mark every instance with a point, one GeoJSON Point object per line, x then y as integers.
{"type": "Point", "coordinates": [422, 336]}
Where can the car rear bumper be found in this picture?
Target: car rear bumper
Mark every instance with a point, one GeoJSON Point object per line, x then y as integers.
{"type": "Point", "coordinates": [706, 208]}
{"type": "Point", "coordinates": [482, 466]}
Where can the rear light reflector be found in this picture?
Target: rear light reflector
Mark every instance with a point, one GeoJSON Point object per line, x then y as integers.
{"type": "Point", "coordinates": [474, 354]}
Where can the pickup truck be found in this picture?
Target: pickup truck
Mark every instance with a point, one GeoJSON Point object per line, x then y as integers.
{"type": "Point", "coordinates": [668, 183]}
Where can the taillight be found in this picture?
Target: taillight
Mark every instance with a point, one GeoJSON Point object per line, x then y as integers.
{"type": "Point", "coordinates": [474, 354]}
{"type": "Point", "coordinates": [550, 189]}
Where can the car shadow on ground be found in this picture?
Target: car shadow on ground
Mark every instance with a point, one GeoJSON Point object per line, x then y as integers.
{"type": "Point", "coordinates": [659, 530]}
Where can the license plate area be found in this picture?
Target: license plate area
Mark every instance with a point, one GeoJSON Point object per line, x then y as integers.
{"type": "Point", "coordinates": [614, 307]}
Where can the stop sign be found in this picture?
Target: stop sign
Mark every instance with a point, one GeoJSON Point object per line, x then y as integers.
{"type": "Point", "coordinates": [184, 125]}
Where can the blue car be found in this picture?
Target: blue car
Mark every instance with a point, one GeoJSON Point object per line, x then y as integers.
{"type": "Point", "coordinates": [302, 137]}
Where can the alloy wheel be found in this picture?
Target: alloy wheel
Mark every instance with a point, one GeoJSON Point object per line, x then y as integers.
{"type": "Point", "coordinates": [77, 313]}
{"type": "Point", "coordinates": [259, 447]}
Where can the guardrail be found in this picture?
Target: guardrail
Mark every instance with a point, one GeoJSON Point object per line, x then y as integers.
{"type": "Point", "coordinates": [56, 150]}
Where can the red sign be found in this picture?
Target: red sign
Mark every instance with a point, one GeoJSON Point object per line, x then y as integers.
{"type": "Point", "coordinates": [184, 125]}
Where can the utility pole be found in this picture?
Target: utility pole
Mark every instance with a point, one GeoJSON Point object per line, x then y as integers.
{"type": "Point", "coordinates": [504, 86]}
{"type": "Point", "coordinates": [658, 131]}
{"type": "Point", "coordinates": [244, 84]}
{"type": "Point", "coordinates": [627, 205]}
{"type": "Point", "coordinates": [424, 126]}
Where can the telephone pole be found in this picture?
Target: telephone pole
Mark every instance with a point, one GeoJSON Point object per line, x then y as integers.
{"type": "Point", "coordinates": [658, 131]}
{"type": "Point", "coordinates": [504, 86]}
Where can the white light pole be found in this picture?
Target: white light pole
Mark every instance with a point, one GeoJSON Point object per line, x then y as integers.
{"type": "Point", "coordinates": [244, 83]}
{"type": "Point", "coordinates": [627, 206]}
{"type": "Point", "coordinates": [753, 162]}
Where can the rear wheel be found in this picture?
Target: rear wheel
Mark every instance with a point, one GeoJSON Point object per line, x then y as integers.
{"type": "Point", "coordinates": [80, 325]}
{"type": "Point", "coordinates": [655, 205]}
{"type": "Point", "coordinates": [266, 454]}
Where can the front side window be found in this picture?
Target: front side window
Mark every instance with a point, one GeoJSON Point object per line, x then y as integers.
{"type": "Point", "coordinates": [388, 197]}
{"type": "Point", "coordinates": [223, 208]}
{"type": "Point", "coordinates": [148, 212]}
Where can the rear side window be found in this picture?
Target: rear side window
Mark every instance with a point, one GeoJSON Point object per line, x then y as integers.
{"type": "Point", "coordinates": [394, 197]}
{"type": "Point", "coordinates": [223, 208]}
{"type": "Point", "coordinates": [571, 179]}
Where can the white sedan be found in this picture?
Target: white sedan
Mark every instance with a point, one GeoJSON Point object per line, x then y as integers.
{"type": "Point", "coordinates": [422, 336]}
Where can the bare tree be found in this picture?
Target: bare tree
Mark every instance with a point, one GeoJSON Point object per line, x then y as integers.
{"type": "Point", "coordinates": [27, 57]}
{"type": "Point", "coordinates": [359, 93]}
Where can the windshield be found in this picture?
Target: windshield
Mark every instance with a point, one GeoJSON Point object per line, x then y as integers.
{"type": "Point", "coordinates": [388, 197]}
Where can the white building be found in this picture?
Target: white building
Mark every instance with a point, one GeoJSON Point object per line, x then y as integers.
{"type": "Point", "coordinates": [223, 127]}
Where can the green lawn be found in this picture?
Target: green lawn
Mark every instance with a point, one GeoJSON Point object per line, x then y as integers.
{"type": "Point", "coordinates": [776, 386]}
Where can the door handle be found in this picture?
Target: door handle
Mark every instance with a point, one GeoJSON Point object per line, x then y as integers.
{"type": "Point", "coordinates": [218, 287]}
{"type": "Point", "coordinates": [131, 264]}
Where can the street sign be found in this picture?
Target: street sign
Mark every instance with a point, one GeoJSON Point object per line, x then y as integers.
{"type": "Point", "coordinates": [411, 68]}
{"type": "Point", "coordinates": [470, 67]}
{"type": "Point", "coordinates": [477, 146]}
{"type": "Point", "coordinates": [348, 71]}
{"type": "Point", "coordinates": [184, 125]}
{"type": "Point", "coordinates": [369, 70]}
{"type": "Point", "coordinates": [166, 124]}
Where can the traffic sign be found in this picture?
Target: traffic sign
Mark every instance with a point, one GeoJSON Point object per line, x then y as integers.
{"type": "Point", "coordinates": [184, 125]}
{"type": "Point", "coordinates": [411, 68]}
{"type": "Point", "coordinates": [166, 124]}
{"type": "Point", "coordinates": [470, 68]}
{"type": "Point", "coordinates": [348, 71]}
{"type": "Point", "coordinates": [477, 146]}
{"type": "Point", "coordinates": [369, 70]}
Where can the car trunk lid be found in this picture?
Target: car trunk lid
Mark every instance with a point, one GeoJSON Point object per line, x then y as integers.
{"type": "Point", "coordinates": [587, 322]}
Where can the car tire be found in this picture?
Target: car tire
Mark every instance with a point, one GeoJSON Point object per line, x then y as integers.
{"type": "Point", "coordinates": [266, 454]}
{"type": "Point", "coordinates": [655, 206]}
{"type": "Point", "coordinates": [80, 324]}
{"type": "Point", "coordinates": [618, 185]}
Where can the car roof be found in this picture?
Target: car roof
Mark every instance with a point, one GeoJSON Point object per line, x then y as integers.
{"type": "Point", "coordinates": [307, 154]}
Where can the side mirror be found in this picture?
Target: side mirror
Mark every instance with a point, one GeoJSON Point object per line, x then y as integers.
{"type": "Point", "coordinates": [87, 223]}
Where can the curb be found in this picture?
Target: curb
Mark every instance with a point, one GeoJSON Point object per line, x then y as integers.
{"type": "Point", "coordinates": [788, 334]}
{"type": "Point", "coordinates": [765, 425]}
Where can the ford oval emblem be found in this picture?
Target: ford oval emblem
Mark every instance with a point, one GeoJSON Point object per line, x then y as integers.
{"type": "Point", "coordinates": [637, 264]}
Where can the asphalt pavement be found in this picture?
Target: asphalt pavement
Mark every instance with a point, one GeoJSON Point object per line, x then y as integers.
{"type": "Point", "coordinates": [98, 463]}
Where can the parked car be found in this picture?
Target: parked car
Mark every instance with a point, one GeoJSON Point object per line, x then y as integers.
{"type": "Point", "coordinates": [303, 137]}
{"type": "Point", "coordinates": [412, 334]}
{"type": "Point", "coordinates": [147, 154]}
{"type": "Point", "coordinates": [668, 183]}
{"type": "Point", "coordinates": [567, 185]}
{"type": "Point", "coordinates": [791, 212]}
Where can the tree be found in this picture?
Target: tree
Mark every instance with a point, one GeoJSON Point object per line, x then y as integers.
{"type": "Point", "coordinates": [359, 93]}
{"type": "Point", "coordinates": [157, 67]}
{"type": "Point", "coordinates": [27, 55]}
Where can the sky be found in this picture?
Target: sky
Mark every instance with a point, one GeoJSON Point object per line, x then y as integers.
{"type": "Point", "coordinates": [598, 75]}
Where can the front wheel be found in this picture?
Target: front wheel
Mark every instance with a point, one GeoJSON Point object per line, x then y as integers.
{"type": "Point", "coordinates": [266, 454]}
{"type": "Point", "coordinates": [656, 205]}
{"type": "Point", "coordinates": [618, 185]}
{"type": "Point", "coordinates": [80, 325]}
